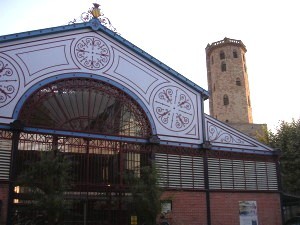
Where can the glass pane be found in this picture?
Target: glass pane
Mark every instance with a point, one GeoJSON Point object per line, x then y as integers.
{"type": "Point", "coordinates": [85, 105]}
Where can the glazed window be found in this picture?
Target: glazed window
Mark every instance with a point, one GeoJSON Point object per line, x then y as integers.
{"type": "Point", "coordinates": [223, 67]}
{"type": "Point", "coordinates": [85, 105]}
{"type": "Point", "coordinates": [222, 55]}
{"type": "Point", "coordinates": [225, 100]}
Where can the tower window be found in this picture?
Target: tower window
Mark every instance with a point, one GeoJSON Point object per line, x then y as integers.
{"type": "Point", "coordinates": [238, 82]}
{"type": "Point", "coordinates": [212, 60]}
{"type": "Point", "coordinates": [235, 55]}
{"type": "Point", "coordinates": [225, 100]}
{"type": "Point", "coordinates": [245, 68]}
{"type": "Point", "coordinates": [222, 55]}
{"type": "Point", "coordinates": [249, 103]}
{"type": "Point", "coordinates": [223, 67]}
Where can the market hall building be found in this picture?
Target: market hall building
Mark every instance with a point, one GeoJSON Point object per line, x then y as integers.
{"type": "Point", "coordinates": [88, 92]}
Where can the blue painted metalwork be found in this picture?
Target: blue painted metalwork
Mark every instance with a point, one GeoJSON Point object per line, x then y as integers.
{"type": "Point", "coordinates": [86, 135]}
{"type": "Point", "coordinates": [249, 151]}
{"type": "Point", "coordinates": [4, 127]}
{"type": "Point", "coordinates": [177, 144]}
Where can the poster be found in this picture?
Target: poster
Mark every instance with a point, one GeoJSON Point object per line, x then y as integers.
{"type": "Point", "coordinates": [248, 213]}
{"type": "Point", "coordinates": [166, 207]}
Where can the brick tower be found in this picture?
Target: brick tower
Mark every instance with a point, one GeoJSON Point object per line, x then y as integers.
{"type": "Point", "coordinates": [228, 85]}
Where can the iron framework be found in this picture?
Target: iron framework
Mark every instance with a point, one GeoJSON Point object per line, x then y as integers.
{"type": "Point", "coordinates": [85, 105]}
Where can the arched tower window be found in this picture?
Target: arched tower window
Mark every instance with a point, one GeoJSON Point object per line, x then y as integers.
{"type": "Point", "coordinates": [85, 105]}
{"type": "Point", "coordinates": [238, 82]}
{"type": "Point", "coordinates": [225, 100]}
{"type": "Point", "coordinates": [249, 103]}
{"type": "Point", "coordinates": [235, 55]}
{"type": "Point", "coordinates": [222, 55]}
{"type": "Point", "coordinates": [223, 67]}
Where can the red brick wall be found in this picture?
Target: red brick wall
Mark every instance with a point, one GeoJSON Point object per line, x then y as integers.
{"type": "Point", "coordinates": [3, 198]}
{"type": "Point", "coordinates": [225, 208]}
{"type": "Point", "coordinates": [188, 208]}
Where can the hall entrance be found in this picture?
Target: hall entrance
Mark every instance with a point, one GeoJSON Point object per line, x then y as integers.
{"type": "Point", "coordinates": [99, 129]}
{"type": "Point", "coordinates": [98, 193]}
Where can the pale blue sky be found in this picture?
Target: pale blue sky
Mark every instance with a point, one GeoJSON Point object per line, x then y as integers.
{"type": "Point", "coordinates": [177, 32]}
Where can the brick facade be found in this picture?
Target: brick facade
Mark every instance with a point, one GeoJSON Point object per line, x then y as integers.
{"type": "Point", "coordinates": [190, 207]}
{"type": "Point", "coordinates": [232, 83]}
{"type": "Point", "coordinates": [187, 207]}
{"type": "Point", "coordinates": [225, 208]}
{"type": "Point", "coordinates": [224, 82]}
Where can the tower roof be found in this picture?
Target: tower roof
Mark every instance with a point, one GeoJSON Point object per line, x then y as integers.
{"type": "Point", "coordinates": [224, 42]}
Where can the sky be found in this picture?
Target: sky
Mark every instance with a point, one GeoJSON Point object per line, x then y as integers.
{"type": "Point", "coordinates": [177, 32]}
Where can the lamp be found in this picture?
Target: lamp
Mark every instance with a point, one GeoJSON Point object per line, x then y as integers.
{"type": "Point", "coordinates": [95, 10]}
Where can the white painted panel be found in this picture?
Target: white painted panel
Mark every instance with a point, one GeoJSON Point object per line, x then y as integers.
{"type": "Point", "coordinates": [135, 74]}
{"type": "Point", "coordinates": [58, 54]}
{"type": "Point", "coordinates": [220, 135]}
{"type": "Point", "coordinates": [41, 59]}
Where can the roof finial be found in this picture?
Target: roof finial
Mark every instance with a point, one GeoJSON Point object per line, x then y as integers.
{"type": "Point", "coordinates": [95, 11]}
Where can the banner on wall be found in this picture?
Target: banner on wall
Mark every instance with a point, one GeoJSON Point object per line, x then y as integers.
{"type": "Point", "coordinates": [248, 213]}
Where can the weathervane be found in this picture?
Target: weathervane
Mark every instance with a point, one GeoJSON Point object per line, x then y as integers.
{"type": "Point", "coordinates": [95, 13]}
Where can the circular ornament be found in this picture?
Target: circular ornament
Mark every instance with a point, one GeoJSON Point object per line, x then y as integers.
{"type": "Point", "coordinates": [92, 53]}
{"type": "Point", "coordinates": [173, 108]}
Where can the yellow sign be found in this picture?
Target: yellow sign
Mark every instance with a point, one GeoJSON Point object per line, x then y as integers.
{"type": "Point", "coordinates": [133, 220]}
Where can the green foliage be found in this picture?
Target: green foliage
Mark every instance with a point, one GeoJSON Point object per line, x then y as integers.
{"type": "Point", "coordinates": [145, 202]}
{"type": "Point", "coordinates": [46, 180]}
{"type": "Point", "coordinates": [264, 136]}
{"type": "Point", "coordinates": [287, 139]}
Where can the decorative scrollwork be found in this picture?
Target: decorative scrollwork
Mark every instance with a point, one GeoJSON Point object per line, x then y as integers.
{"type": "Point", "coordinates": [163, 114]}
{"type": "Point", "coordinates": [184, 102]}
{"type": "Point", "coordinates": [87, 16]}
{"type": "Point", "coordinates": [9, 82]}
{"type": "Point", "coordinates": [216, 134]}
{"type": "Point", "coordinates": [92, 53]}
{"type": "Point", "coordinates": [181, 121]}
{"type": "Point", "coordinates": [5, 70]}
{"type": "Point", "coordinates": [173, 108]}
{"type": "Point", "coordinates": [166, 95]}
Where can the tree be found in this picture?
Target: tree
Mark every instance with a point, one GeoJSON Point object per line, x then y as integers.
{"type": "Point", "coordinates": [47, 180]}
{"type": "Point", "coordinates": [145, 202]}
{"type": "Point", "coordinates": [287, 140]}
